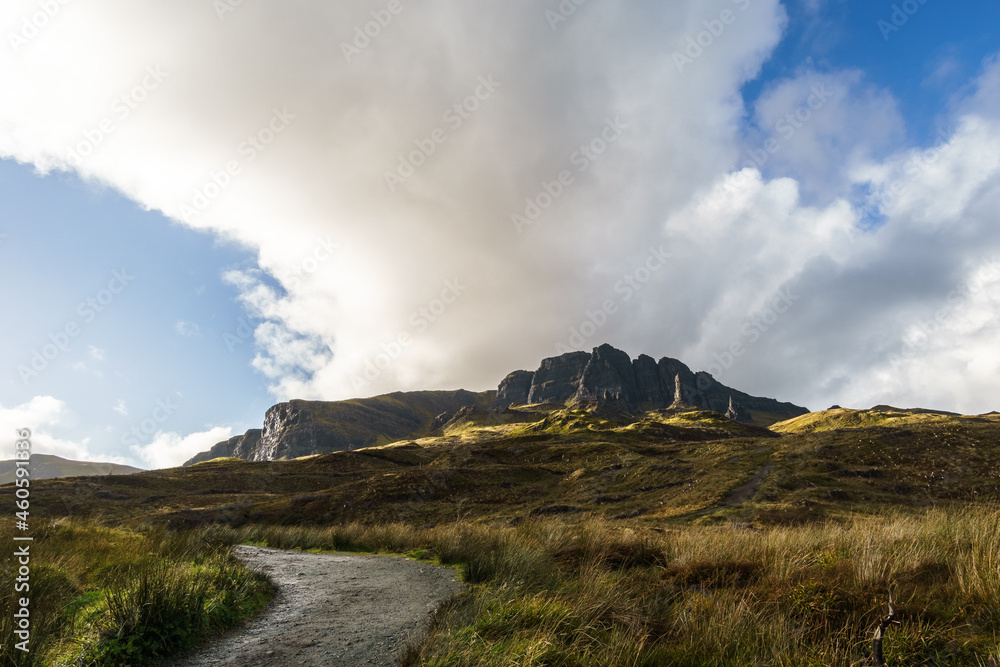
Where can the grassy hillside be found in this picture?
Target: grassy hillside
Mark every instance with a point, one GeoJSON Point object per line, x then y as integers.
{"type": "Point", "coordinates": [592, 538]}
{"type": "Point", "coordinates": [113, 596]}
{"type": "Point", "coordinates": [882, 415]}
{"type": "Point", "coordinates": [46, 466]}
{"type": "Point", "coordinates": [383, 419]}
{"type": "Point", "coordinates": [669, 466]}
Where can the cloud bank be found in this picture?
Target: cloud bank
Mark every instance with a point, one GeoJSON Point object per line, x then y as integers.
{"type": "Point", "coordinates": [441, 193]}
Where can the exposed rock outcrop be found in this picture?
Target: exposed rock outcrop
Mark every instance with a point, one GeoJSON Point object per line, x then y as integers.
{"type": "Point", "coordinates": [608, 377]}
{"type": "Point", "coordinates": [239, 446]}
{"type": "Point", "coordinates": [737, 412]}
{"type": "Point", "coordinates": [514, 389]}
{"type": "Point", "coordinates": [558, 378]}
{"type": "Point", "coordinates": [305, 428]}
{"type": "Point", "coordinates": [653, 391]}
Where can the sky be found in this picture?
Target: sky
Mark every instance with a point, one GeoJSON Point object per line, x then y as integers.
{"type": "Point", "coordinates": [210, 207]}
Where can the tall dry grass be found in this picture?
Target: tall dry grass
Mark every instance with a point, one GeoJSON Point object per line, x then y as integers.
{"type": "Point", "coordinates": [111, 596]}
{"type": "Point", "coordinates": [597, 593]}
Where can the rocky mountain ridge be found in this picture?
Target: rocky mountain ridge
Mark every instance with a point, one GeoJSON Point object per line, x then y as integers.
{"type": "Point", "coordinates": [606, 377]}
{"type": "Point", "coordinates": [609, 376]}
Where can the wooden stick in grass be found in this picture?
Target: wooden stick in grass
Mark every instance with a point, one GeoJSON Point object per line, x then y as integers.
{"type": "Point", "coordinates": [880, 633]}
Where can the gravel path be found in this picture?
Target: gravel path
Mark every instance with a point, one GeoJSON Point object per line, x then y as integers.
{"type": "Point", "coordinates": [331, 609]}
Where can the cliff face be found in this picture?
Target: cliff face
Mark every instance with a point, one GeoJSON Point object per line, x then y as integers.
{"type": "Point", "coordinates": [305, 428]}
{"type": "Point", "coordinates": [557, 378]}
{"type": "Point", "coordinates": [239, 446]}
{"type": "Point", "coordinates": [515, 388]}
{"type": "Point", "coordinates": [609, 376]}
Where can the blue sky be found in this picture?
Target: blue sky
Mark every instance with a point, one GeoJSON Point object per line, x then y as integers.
{"type": "Point", "coordinates": [930, 58]}
{"type": "Point", "coordinates": [240, 307]}
{"type": "Point", "coordinates": [65, 241]}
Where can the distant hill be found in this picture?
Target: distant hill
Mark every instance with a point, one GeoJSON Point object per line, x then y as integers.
{"type": "Point", "coordinates": [46, 466]}
{"type": "Point", "coordinates": [881, 415]}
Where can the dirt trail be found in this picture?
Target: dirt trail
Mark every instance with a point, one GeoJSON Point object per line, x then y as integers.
{"type": "Point", "coordinates": [331, 609]}
{"type": "Point", "coordinates": [741, 494]}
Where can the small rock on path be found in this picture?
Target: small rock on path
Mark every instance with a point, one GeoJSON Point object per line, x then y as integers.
{"type": "Point", "coordinates": [330, 609]}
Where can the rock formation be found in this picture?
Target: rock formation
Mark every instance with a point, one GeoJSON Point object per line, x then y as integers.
{"type": "Point", "coordinates": [239, 447]}
{"type": "Point", "coordinates": [737, 412]}
{"type": "Point", "coordinates": [608, 376]}
{"type": "Point", "coordinates": [557, 378]}
{"type": "Point", "coordinates": [515, 388]}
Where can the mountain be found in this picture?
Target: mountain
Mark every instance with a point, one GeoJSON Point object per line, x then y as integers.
{"type": "Point", "coordinates": [46, 466]}
{"type": "Point", "coordinates": [306, 428]}
{"type": "Point", "coordinates": [606, 380]}
{"type": "Point", "coordinates": [609, 377]}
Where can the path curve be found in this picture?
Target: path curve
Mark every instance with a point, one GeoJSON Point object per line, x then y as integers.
{"type": "Point", "coordinates": [331, 609]}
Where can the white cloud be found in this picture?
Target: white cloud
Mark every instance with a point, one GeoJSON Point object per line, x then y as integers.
{"type": "Point", "coordinates": [187, 329]}
{"type": "Point", "coordinates": [46, 416]}
{"type": "Point", "coordinates": [323, 175]}
{"type": "Point", "coordinates": [904, 314]}
{"type": "Point", "coordinates": [96, 353]}
{"type": "Point", "coordinates": [120, 407]}
{"type": "Point", "coordinates": [169, 450]}
{"type": "Point", "coordinates": [663, 182]}
{"type": "Point", "coordinates": [820, 125]}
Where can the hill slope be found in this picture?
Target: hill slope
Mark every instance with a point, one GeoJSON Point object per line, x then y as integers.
{"type": "Point", "coordinates": [47, 466]}
{"type": "Point", "coordinates": [668, 465]}
{"type": "Point", "coordinates": [305, 428]}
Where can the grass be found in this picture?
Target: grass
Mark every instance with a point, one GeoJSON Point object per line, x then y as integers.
{"type": "Point", "coordinates": [883, 415]}
{"type": "Point", "coordinates": [111, 596]}
{"type": "Point", "coordinates": [668, 466]}
{"type": "Point", "coordinates": [585, 541]}
{"type": "Point", "coordinates": [596, 593]}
